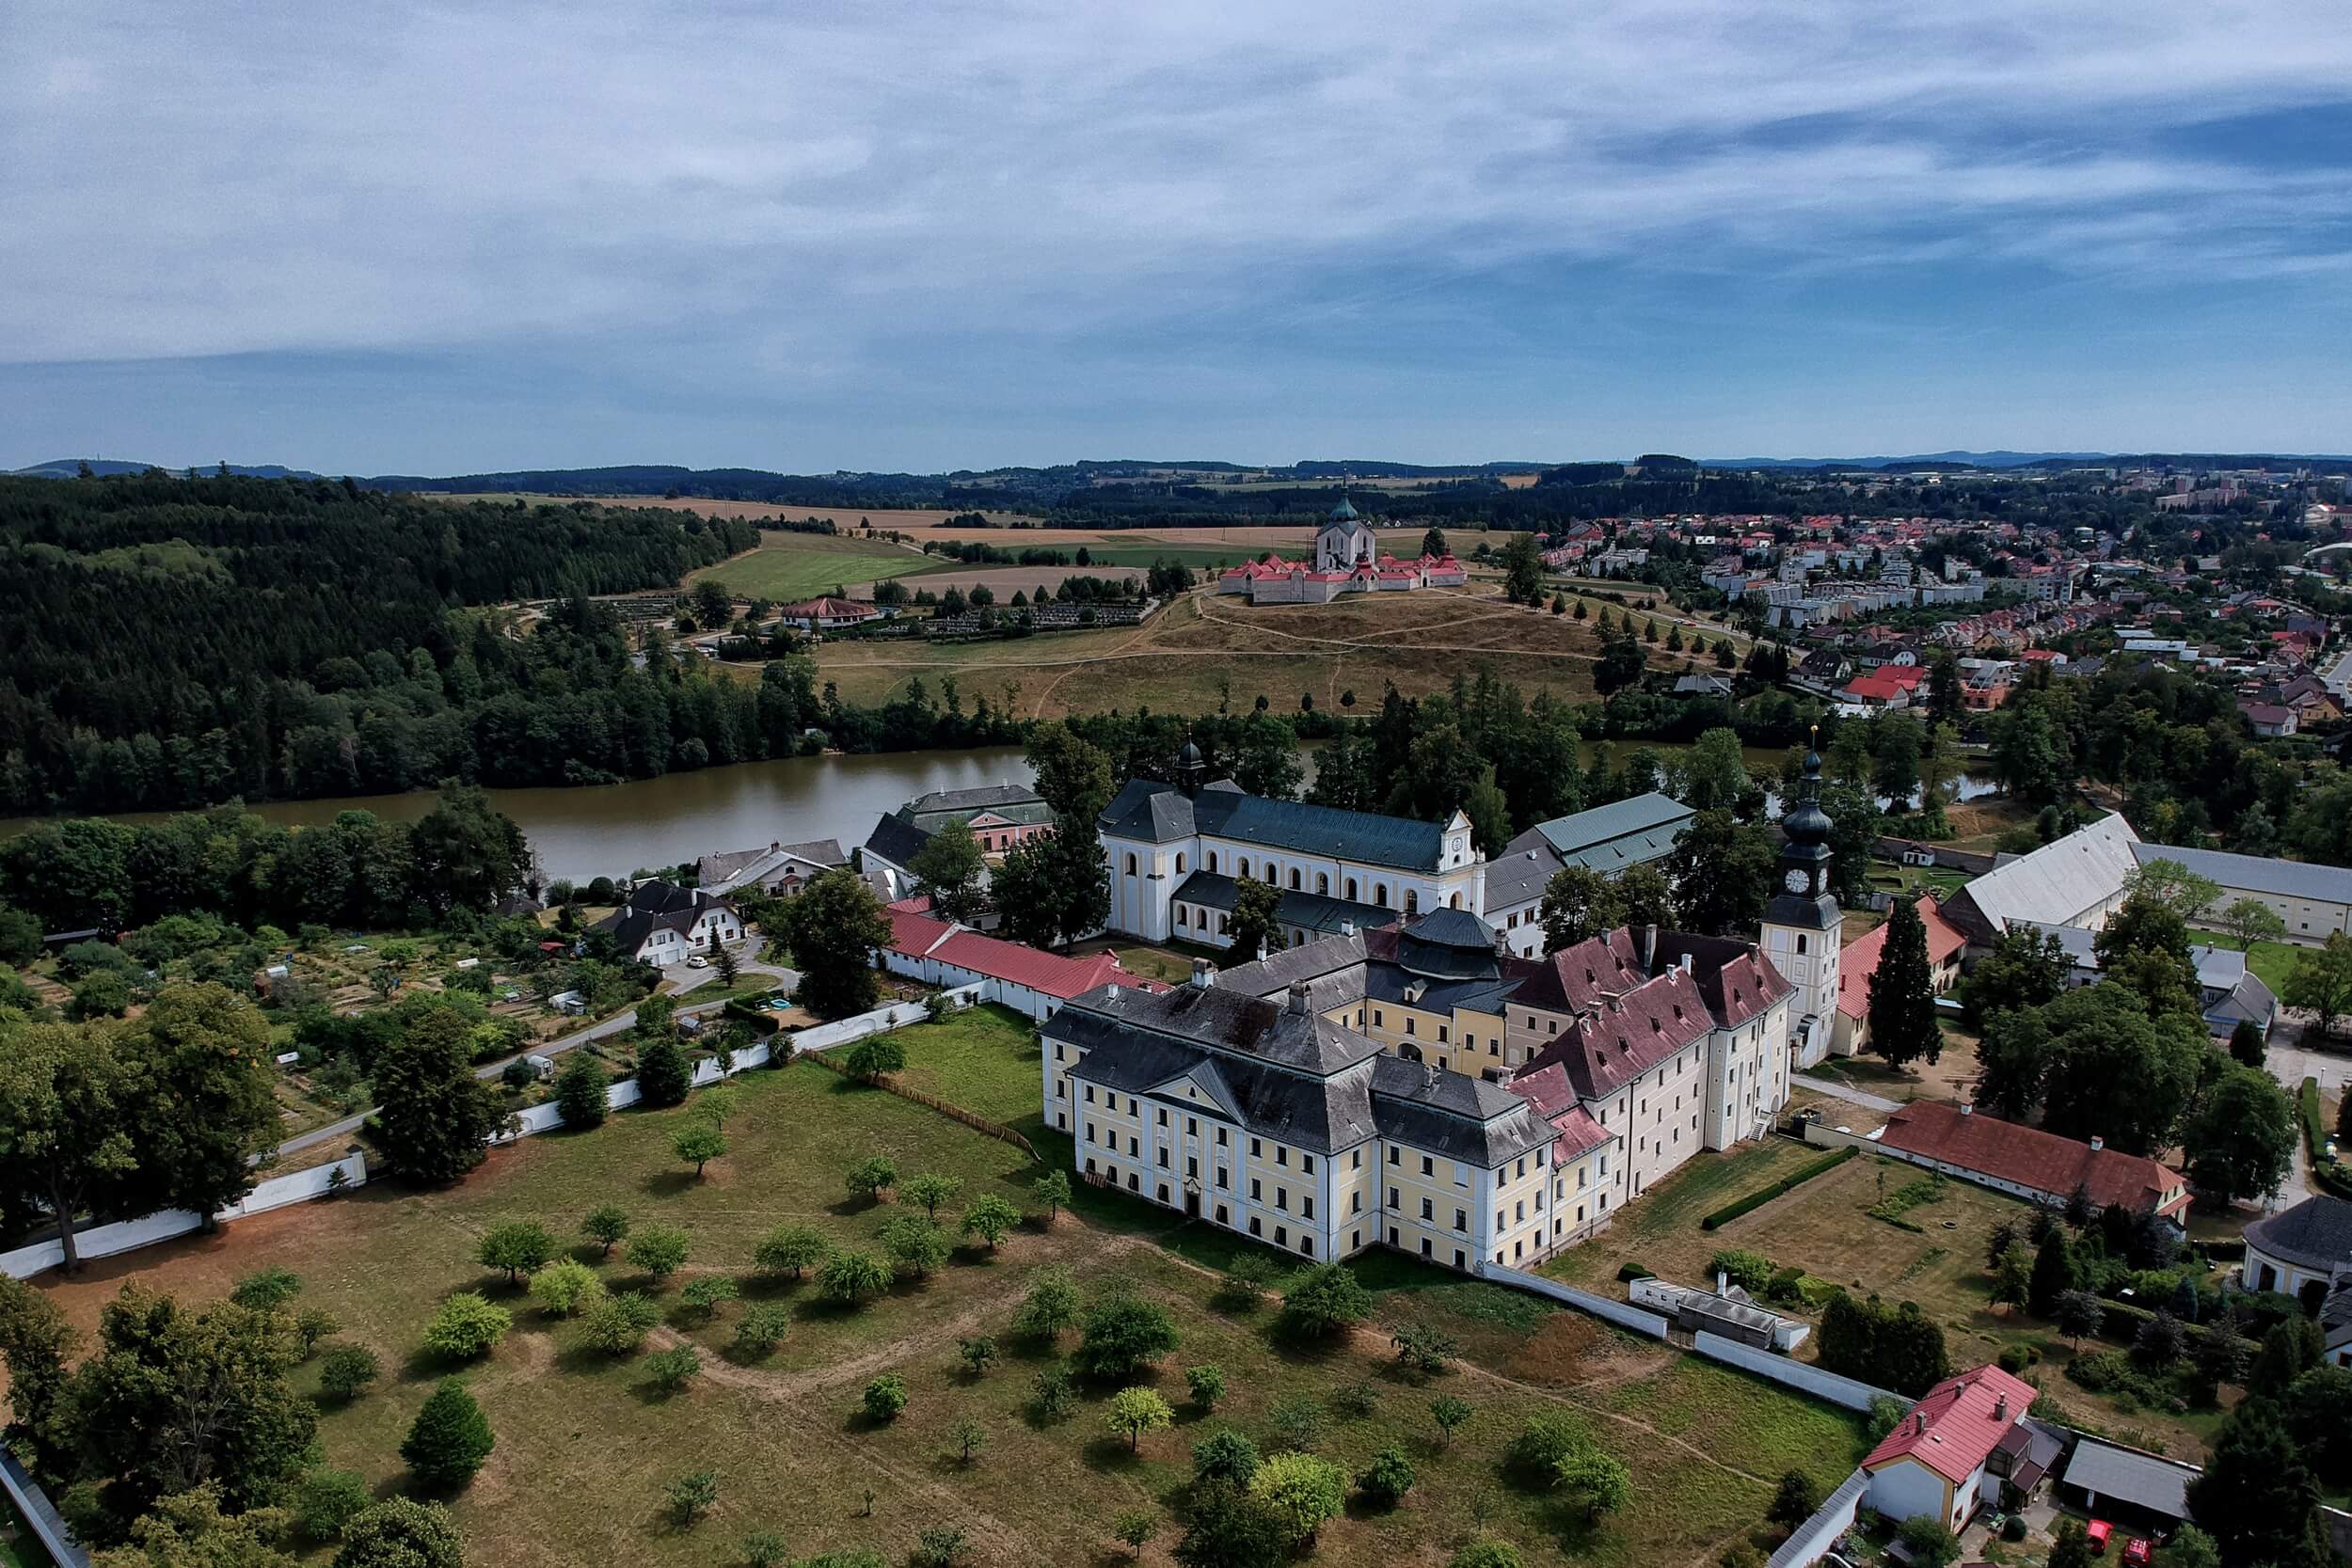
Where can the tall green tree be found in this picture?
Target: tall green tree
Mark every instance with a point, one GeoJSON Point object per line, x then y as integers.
{"type": "Point", "coordinates": [1523, 570]}
{"type": "Point", "coordinates": [435, 1118]}
{"type": "Point", "coordinates": [951, 869]}
{"type": "Point", "coordinates": [69, 1101]}
{"type": "Point", "coordinates": [1723, 871]}
{"type": "Point", "coordinates": [1902, 992]}
{"type": "Point", "coordinates": [2258, 1497]}
{"type": "Point", "coordinates": [207, 1110]}
{"type": "Point", "coordinates": [467, 853]}
{"type": "Point", "coordinates": [2240, 1141]}
{"type": "Point", "coordinates": [1253, 926]}
{"type": "Point", "coordinates": [834, 927]}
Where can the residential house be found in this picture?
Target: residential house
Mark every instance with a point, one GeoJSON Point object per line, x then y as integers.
{"type": "Point", "coordinates": [2028, 1163]}
{"type": "Point", "coordinates": [1937, 1462]}
{"type": "Point", "coordinates": [1028, 980]}
{"type": "Point", "coordinates": [778, 870]}
{"type": "Point", "coordinates": [999, 814]}
{"type": "Point", "coordinates": [663, 924]}
{"type": "Point", "coordinates": [1859, 963]}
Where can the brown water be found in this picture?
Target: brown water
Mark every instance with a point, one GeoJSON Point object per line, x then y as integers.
{"type": "Point", "coordinates": [611, 829]}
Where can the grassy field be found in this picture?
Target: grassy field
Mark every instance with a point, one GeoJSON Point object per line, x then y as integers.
{"type": "Point", "coordinates": [586, 1444]}
{"type": "Point", "coordinates": [792, 566]}
{"type": "Point", "coordinates": [1203, 652]}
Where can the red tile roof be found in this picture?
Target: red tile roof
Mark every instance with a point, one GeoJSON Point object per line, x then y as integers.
{"type": "Point", "coordinates": [1048, 974]}
{"type": "Point", "coordinates": [1860, 959]}
{"type": "Point", "coordinates": [1957, 1424]}
{"type": "Point", "coordinates": [2044, 1162]}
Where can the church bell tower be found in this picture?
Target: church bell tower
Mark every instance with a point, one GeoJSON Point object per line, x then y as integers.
{"type": "Point", "coordinates": [1802, 924]}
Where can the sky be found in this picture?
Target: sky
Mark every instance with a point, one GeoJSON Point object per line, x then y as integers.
{"type": "Point", "coordinates": [862, 235]}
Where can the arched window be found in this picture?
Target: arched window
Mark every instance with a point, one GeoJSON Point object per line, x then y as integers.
{"type": "Point", "coordinates": [1245, 868]}
{"type": "Point", "coordinates": [1180, 863]}
{"type": "Point", "coordinates": [1323, 883]}
{"type": "Point", "coordinates": [1182, 920]}
{"type": "Point", "coordinates": [1381, 893]}
{"type": "Point", "coordinates": [1412, 901]}
{"type": "Point", "coordinates": [1454, 902]}
{"type": "Point", "coordinates": [1294, 878]}
{"type": "Point", "coordinates": [1130, 862]}
{"type": "Point", "coordinates": [1213, 860]}
{"type": "Point", "coordinates": [1800, 942]}
{"type": "Point", "coordinates": [1351, 890]}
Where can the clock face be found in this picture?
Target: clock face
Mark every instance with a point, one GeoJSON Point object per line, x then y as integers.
{"type": "Point", "coordinates": [1797, 882]}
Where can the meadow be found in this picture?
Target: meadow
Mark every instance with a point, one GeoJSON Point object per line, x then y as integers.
{"type": "Point", "coordinates": [587, 1443]}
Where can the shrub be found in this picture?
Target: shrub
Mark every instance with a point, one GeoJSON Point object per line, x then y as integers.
{"type": "Point", "coordinates": [607, 1225]}
{"type": "Point", "coordinates": [267, 1289]}
{"type": "Point", "coordinates": [1542, 1443]}
{"type": "Point", "coordinates": [874, 1055]}
{"type": "Point", "coordinates": [618, 1324]}
{"type": "Point", "coordinates": [1629, 1273]}
{"type": "Point", "coordinates": [1296, 1420]}
{"type": "Point", "coordinates": [326, 1500]}
{"type": "Point", "coordinates": [990, 1218]}
{"type": "Point", "coordinates": [884, 1397]}
{"type": "Point", "coordinates": [311, 1326]}
{"type": "Point", "coordinates": [764, 1548]}
{"type": "Point", "coordinates": [1750, 1271]}
{"type": "Point", "coordinates": [791, 1249]}
{"type": "Point", "coordinates": [659, 1250]}
{"type": "Point", "coordinates": [1123, 1334]}
{"type": "Point", "coordinates": [1765, 1194]}
{"type": "Point", "coordinates": [1206, 1385]}
{"type": "Point", "coordinates": [467, 1325]}
{"type": "Point", "coordinates": [1323, 1302]}
{"type": "Point", "coordinates": [1929, 1543]}
{"type": "Point", "coordinates": [1355, 1402]}
{"type": "Point", "coordinates": [762, 1329]}
{"type": "Point", "coordinates": [1387, 1479]}
{"type": "Point", "coordinates": [672, 1370]}
{"type": "Point", "coordinates": [400, 1533]}
{"type": "Point", "coordinates": [565, 1286]}
{"type": "Point", "coordinates": [1423, 1348]}
{"type": "Point", "coordinates": [1488, 1554]}
{"type": "Point", "coordinates": [1224, 1456]}
{"type": "Point", "coordinates": [517, 1247]}
{"type": "Point", "coordinates": [915, 1244]}
{"type": "Point", "coordinates": [1051, 1394]}
{"type": "Point", "coordinates": [1134, 1530]}
{"type": "Point", "coordinates": [932, 1191]}
{"type": "Point", "coordinates": [449, 1438]}
{"type": "Point", "coordinates": [1795, 1502]}
{"type": "Point", "coordinates": [346, 1370]}
{"type": "Point", "coordinates": [2013, 1527]}
{"type": "Point", "coordinates": [690, 1497]}
{"type": "Point", "coordinates": [849, 1277]}
{"type": "Point", "coordinates": [938, 1546]}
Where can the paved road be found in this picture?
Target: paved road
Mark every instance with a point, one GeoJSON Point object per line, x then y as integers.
{"type": "Point", "coordinates": [1835, 1090]}
{"type": "Point", "coordinates": [2289, 1062]}
{"type": "Point", "coordinates": [682, 980]}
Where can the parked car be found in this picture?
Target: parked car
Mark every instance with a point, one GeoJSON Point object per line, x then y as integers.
{"type": "Point", "coordinates": [2098, 1532]}
{"type": "Point", "coordinates": [699, 961]}
{"type": "Point", "coordinates": [2136, 1551]}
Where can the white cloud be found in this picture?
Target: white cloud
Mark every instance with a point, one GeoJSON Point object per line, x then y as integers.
{"type": "Point", "coordinates": [813, 179]}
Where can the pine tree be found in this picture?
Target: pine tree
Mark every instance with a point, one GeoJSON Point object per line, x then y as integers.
{"type": "Point", "coordinates": [450, 1437]}
{"type": "Point", "coordinates": [1902, 992]}
{"type": "Point", "coordinates": [2054, 1274]}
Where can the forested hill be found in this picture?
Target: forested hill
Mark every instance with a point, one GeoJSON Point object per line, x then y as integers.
{"type": "Point", "coordinates": [172, 642]}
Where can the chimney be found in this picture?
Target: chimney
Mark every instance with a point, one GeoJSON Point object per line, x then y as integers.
{"type": "Point", "coordinates": [1203, 974]}
{"type": "Point", "coordinates": [1347, 927]}
{"type": "Point", "coordinates": [1429, 1074]}
{"type": "Point", "coordinates": [1723, 1283]}
{"type": "Point", "coordinates": [1298, 1002]}
{"type": "Point", "coordinates": [1918, 1421]}
{"type": "Point", "coordinates": [1112, 990]}
{"type": "Point", "coordinates": [2097, 1142]}
{"type": "Point", "coordinates": [2000, 1408]}
{"type": "Point", "coordinates": [1649, 945]}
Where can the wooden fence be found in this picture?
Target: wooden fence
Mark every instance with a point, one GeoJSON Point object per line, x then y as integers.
{"type": "Point", "coordinates": [948, 1108]}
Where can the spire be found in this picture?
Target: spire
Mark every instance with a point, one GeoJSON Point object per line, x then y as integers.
{"type": "Point", "coordinates": [1806, 823]}
{"type": "Point", "coordinates": [1191, 768]}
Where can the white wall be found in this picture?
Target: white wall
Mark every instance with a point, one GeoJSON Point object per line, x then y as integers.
{"type": "Point", "coordinates": [1908, 1490]}
{"type": "Point", "coordinates": [106, 1241]}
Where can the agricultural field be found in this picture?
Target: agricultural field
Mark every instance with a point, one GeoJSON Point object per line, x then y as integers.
{"type": "Point", "coordinates": [1202, 652]}
{"type": "Point", "coordinates": [586, 1443]}
{"type": "Point", "coordinates": [792, 566]}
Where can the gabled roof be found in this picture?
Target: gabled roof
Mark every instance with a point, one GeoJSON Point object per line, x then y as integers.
{"type": "Point", "coordinates": [1159, 813]}
{"type": "Point", "coordinates": [1859, 961]}
{"type": "Point", "coordinates": [1604, 1049]}
{"type": "Point", "coordinates": [1957, 1424]}
{"type": "Point", "coordinates": [1938, 1130]}
{"type": "Point", "coordinates": [2257, 873]}
{"type": "Point", "coordinates": [733, 869]}
{"type": "Point", "coordinates": [2057, 884]}
{"type": "Point", "coordinates": [1612, 837]}
{"type": "Point", "coordinates": [1048, 974]}
{"type": "Point", "coordinates": [896, 840]}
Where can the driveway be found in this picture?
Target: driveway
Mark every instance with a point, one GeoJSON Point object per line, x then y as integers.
{"type": "Point", "coordinates": [678, 977]}
{"type": "Point", "coordinates": [1852, 1095]}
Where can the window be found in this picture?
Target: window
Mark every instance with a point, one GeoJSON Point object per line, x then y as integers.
{"type": "Point", "coordinates": [1381, 893]}
{"type": "Point", "coordinates": [1393, 1201]}
{"type": "Point", "coordinates": [1134, 1186]}
{"type": "Point", "coordinates": [1306, 1206]}
{"type": "Point", "coordinates": [1322, 884]}
{"type": "Point", "coordinates": [1192, 1127]}
{"type": "Point", "coordinates": [1305, 1243]}
{"type": "Point", "coordinates": [1061, 1119]}
{"type": "Point", "coordinates": [1057, 1055]}
{"type": "Point", "coordinates": [1294, 878]}
{"type": "Point", "coordinates": [1090, 1132]}
{"type": "Point", "coordinates": [1192, 1166]}
{"type": "Point", "coordinates": [1223, 1216]}
{"type": "Point", "coordinates": [1356, 1203]}
{"type": "Point", "coordinates": [1457, 1257]}
{"type": "Point", "coordinates": [1163, 1116]}
{"type": "Point", "coordinates": [1424, 1246]}
{"type": "Point", "coordinates": [1245, 868]}
{"type": "Point", "coordinates": [1428, 1210]}
{"type": "Point", "coordinates": [1282, 1199]}
{"type": "Point", "coordinates": [1135, 1107]}
{"type": "Point", "coordinates": [1133, 1146]}
{"type": "Point", "coordinates": [1441, 1035]}
{"type": "Point", "coordinates": [1257, 1191]}
{"type": "Point", "coordinates": [1253, 1225]}
{"type": "Point", "coordinates": [1213, 860]}
{"type": "Point", "coordinates": [1800, 943]}
{"type": "Point", "coordinates": [1281, 1154]}
{"type": "Point", "coordinates": [1306, 1164]}
{"type": "Point", "coordinates": [1224, 1177]}
{"type": "Point", "coordinates": [1163, 1158]}
{"type": "Point", "coordinates": [1355, 1159]}
{"type": "Point", "coordinates": [1183, 923]}
{"type": "Point", "coordinates": [1089, 1094]}
{"type": "Point", "coordinates": [1393, 1157]}
{"type": "Point", "coordinates": [1412, 1025]}
{"type": "Point", "coordinates": [1131, 863]}
{"type": "Point", "coordinates": [1412, 902]}
{"type": "Point", "coordinates": [1282, 1235]}
{"type": "Point", "coordinates": [1180, 863]}
{"type": "Point", "coordinates": [1428, 1167]}
{"type": "Point", "coordinates": [1351, 890]}
{"type": "Point", "coordinates": [1461, 1220]}
{"type": "Point", "coordinates": [1163, 1192]}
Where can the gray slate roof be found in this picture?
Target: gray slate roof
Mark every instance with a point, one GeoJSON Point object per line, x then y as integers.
{"type": "Point", "coordinates": [2331, 884]}
{"type": "Point", "coordinates": [2055, 884]}
{"type": "Point", "coordinates": [2159, 1485]}
{"type": "Point", "coordinates": [2315, 1233]}
{"type": "Point", "coordinates": [897, 840]}
{"type": "Point", "coordinates": [1519, 875]}
{"type": "Point", "coordinates": [1008, 800]}
{"type": "Point", "coordinates": [1622, 833]}
{"type": "Point", "coordinates": [1159, 813]}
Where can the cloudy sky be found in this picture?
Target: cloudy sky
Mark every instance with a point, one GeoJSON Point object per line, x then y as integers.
{"type": "Point", "coordinates": [809, 235]}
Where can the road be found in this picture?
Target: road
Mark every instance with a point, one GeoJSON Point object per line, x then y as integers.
{"type": "Point", "coordinates": [680, 980]}
{"type": "Point", "coordinates": [2289, 1062]}
{"type": "Point", "coordinates": [1835, 1090]}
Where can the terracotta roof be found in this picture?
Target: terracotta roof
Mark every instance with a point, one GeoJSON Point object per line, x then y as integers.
{"type": "Point", "coordinates": [1048, 974]}
{"type": "Point", "coordinates": [1604, 1049]}
{"type": "Point", "coordinates": [1859, 961]}
{"type": "Point", "coordinates": [1938, 1130]}
{"type": "Point", "coordinates": [1957, 1424]}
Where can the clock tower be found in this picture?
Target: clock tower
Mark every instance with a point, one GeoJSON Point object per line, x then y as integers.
{"type": "Point", "coordinates": [1802, 924]}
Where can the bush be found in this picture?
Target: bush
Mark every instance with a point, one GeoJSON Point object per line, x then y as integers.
{"type": "Point", "coordinates": [1629, 1273]}
{"type": "Point", "coordinates": [1050, 1305]}
{"type": "Point", "coordinates": [1123, 1334]}
{"type": "Point", "coordinates": [849, 1277]}
{"type": "Point", "coordinates": [1224, 1456]}
{"type": "Point", "coordinates": [764, 1548]}
{"type": "Point", "coordinates": [1764, 1195]}
{"type": "Point", "coordinates": [659, 1250]}
{"type": "Point", "coordinates": [1051, 1394]}
{"type": "Point", "coordinates": [791, 1249]}
{"type": "Point", "coordinates": [312, 1325]}
{"type": "Point", "coordinates": [467, 1325]}
{"type": "Point", "coordinates": [517, 1247]}
{"type": "Point", "coordinates": [1323, 1302]}
{"type": "Point", "coordinates": [762, 1329]}
{"type": "Point", "coordinates": [449, 1438]}
{"type": "Point", "coordinates": [1488, 1554]}
{"type": "Point", "coordinates": [1387, 1479]}
{"type": "Point", "coordinates": [2013, 1527]}
{"type": "Point", "coordinates": [1296, 1421]}
{"type": "Point", "coordinates": [346, 1370]}
{"type": "Point", "coordinates": [1206, 1385]}
{"type": "Point", "coordinates": [1929, 1543]}
{"type": "Point", "coordinates": [884, 1397]}
{"type": "Point", "coordinates": [326, 1500]}
{"type": "Point", "coordinates": [1750, 1271]}
{"type": "Point", "coordinates": [1355, 1402]}
{"type": "Point", "coordinates": [618, 1324]}
{"type": "Point", "coordinates": [267, 1289]}
{"type": "Point", "coordinates": [399, 1533]}
{"type": "Point", "coordinates": [1423, 1348]}
{"type": "Point", "coordinates": [672, 1370]}
{"type": "Point", "coordinates": [565, 1286]}
{"type": "Point", "coordinates": [1301, 1491]}
{"type": "Point", "coordinates": [690, 1497]}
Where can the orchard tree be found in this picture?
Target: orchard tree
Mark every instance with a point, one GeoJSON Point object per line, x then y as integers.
{"type": "Point", "coordinates": [990, 1218]}
{"type": "Point", "coordinates": [517, 1246]}
{"type": "Point", "coordinates": [607, 1225]}
{"type": "Point", "coordinates": [1137, 1410]}
{"type": "Point", "coordinates": [697, 1144]}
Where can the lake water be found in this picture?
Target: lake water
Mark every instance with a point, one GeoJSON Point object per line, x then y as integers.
{"type": "Point", "coordinates": [611, 829]}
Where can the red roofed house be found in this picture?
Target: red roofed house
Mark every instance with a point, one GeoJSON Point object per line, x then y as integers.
{"type": "Point", "coordinates": [1851, 1035]}
{"type": "Point", "coordinates": [1935, 1464]}
{"type": "Point", "coordinates": [1028, 980]}
{"type": "Point", "coordinates": [2027, 1161]}
{"type": "Point", "coordinates": [1889, 686]}
{"type": "Point", "coordinates": [826, 614]}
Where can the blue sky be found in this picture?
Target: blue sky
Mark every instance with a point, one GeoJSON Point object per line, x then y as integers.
{"type": "Point", "coordinates": [872, 235]}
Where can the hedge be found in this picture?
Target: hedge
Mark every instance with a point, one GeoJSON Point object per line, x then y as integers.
{"type": "Point", "coordinates": [2314, 1132]}
{"type": "Point", "coordinates": [1762, 1196]}
{"type": "Point", "coordinates": [1629, 1273]}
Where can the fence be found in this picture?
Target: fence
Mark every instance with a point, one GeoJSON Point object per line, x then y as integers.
{"type": "Point", "coordinates": [944, 1107]}
{"type": "Point", "coordinates": [1850, 1392]}
{"type": "Point", "coordinates": [1616, 1312]}
{"type": "Point", "coordinates": [1811, 1541]}
{"type": "Point", "coordinates": [106, 1241]}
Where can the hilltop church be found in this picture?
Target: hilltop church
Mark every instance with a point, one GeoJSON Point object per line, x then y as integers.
{"type": "Point", "coordinates": [1346, 559]}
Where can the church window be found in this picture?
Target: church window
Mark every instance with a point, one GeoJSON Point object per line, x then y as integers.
{"type": "Point", "coordinates": [1245, 866]}
{"type": "Point", "coordinates": [1800, 943]}
{"type": "Point", "coordinates": [1180, 863]}
{"type": "Point", "coordinates": [1294, 878]}
{"type": "Point", "coordinates": [1131, 865]}
{"type": "Point", "coordinates": [1412, 901]}
{"type": "Point", "coordinates": [1351, 890]}
{"type": "Point", "coordinates": [1322, 884]}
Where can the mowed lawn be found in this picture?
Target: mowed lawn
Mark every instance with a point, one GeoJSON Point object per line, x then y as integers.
{"type": "Point", "coordinates": [585, 1445]}
{"type": "Point", "coordinates": [787, 567]}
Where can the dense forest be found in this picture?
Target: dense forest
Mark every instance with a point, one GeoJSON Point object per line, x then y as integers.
{"type": "Point", "coordinates": [180, 641]}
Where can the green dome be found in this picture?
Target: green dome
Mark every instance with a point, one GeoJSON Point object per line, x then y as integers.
{"type": "Point", "coordinates": [1342, 513]}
